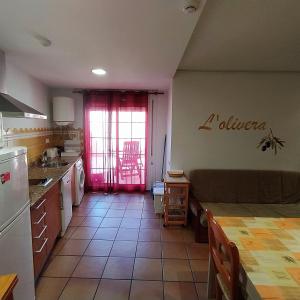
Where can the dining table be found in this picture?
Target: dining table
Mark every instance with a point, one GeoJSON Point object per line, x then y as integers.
{"type": "Point", "coordinates": [269, 250]}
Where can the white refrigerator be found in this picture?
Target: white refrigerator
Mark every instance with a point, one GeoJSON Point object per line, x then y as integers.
{"type": "Point", "coordinates": [15, 226]}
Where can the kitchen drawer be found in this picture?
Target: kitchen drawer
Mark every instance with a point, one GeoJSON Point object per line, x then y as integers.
{"type": "Point", "coordinates": [37, 223]}
{"type": "Point", "coordinates": [53, 217]}
{"type": "Point", "coordinates": [38, 241]}
{"type": "Point", "coordinates": [37, 211]}
{"type": "Point", "coordinates": [55, 190]}
{"type": "Point", "coordinates": [39, 247]}
{"type": "Point", "coordinates": [39, 236]}
{"type": "Point", "coordinates": [45, 227]}
{"type": "Point", "coordinates": [38, 231]}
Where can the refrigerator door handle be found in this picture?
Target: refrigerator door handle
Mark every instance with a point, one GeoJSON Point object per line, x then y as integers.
{"type": "Point", "coordinates": [41, 219]}
{"type": "Point", "coordinates": [42, 247]}
{"type": "Point", "coordinates": [39, 236]}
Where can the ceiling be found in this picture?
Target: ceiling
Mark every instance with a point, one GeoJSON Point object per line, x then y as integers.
{"type": "Point", "coordinates": [246, 35]}
{"type": "Point", "coordinates": [138, 42]}
{"type": "Point", "coordinates": [141, 43]}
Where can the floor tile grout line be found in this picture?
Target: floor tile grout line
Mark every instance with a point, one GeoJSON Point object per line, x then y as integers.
{"type": "Point", "coordinates": [194, 277]}
{"type": "Point", "coordinates": [64, 287]}
{"type": "Point", "coordinates": [105, 262]}
{"type": "Point", "coordinates": [161, 262]}
{"type": "Point", "coordinates": [137, 279]}
{"type": "Point", "coordinates": [162, 267]}
{"type": "Point", "coordinates": [70, 277]}
{"type": "Point", "coordinates": [114, 240]}
{"type": "Point", "coordinates": [129, 294]}
{"type": "Point", "coordinates": [81, 256]}
{"type": "Point", "coordinates": [103, 267]}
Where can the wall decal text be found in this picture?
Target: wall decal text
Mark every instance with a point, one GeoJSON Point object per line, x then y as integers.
{"type": "Point", "coordinates": [232, 123]}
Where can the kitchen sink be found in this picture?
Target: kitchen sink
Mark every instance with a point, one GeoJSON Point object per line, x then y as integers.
{"type": "Point", "coordinates": [39, 181]}
{"type": "Point", "coordinates": [54, 164]}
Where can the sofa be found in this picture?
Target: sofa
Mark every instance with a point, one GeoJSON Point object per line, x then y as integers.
{"type": "Point", "coordinates": [257, 193]}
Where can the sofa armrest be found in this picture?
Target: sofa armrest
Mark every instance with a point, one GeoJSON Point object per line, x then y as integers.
{"type": "Point", "coordinates": [196, 211]}
{"type": "Point", "coordinates": [195, 206]}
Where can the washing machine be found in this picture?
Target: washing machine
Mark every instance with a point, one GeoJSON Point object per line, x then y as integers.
{"type": "Point", "coordinates": [79, 182]}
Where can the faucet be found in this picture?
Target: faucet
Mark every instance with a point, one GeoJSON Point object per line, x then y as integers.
{"type": "Point", "coordinates": [44, 157]}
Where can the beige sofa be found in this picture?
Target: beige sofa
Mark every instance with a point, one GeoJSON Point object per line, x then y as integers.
{"type": "Point", "coordinates": [242, 193]}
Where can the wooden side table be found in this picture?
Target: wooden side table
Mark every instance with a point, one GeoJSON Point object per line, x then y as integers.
{"type": "Point", "coordinates": [176, 193]}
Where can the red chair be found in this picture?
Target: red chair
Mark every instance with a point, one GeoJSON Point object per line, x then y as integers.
{"type": "Point", "coordinates": [131, 163]}
{"type": "Point", "coordinates": [226, 261]}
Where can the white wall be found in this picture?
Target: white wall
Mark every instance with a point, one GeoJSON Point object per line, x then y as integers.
{"type": "Point", "coordinates": [270, 97]}
{"type": "Point", "coordinates": [28, 90]}
{"type": "Point", "coordinates": [169, 130]}
{"type": "Point", "coordinates": [2, 70]}
{"type": "Point", "coordinates": [78, 101]}
{"type": "Point", "coordinates": [160, 110]}
{"type": "Point", "coordinates": [159, 127]}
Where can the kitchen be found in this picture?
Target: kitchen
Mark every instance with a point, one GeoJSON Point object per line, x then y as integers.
{"type": "Point", "coordinates": [110, 109]}
{"type": "Point", "coordinates": [45, 220]}
{"type": "Point", "coordinates": [36, 199]}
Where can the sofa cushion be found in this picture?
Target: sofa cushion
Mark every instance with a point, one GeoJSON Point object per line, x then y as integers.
{"type": "Point", "coordinates": [245, 186]}
{"type": "Point", "coordinates": [212, 186]}
{"type": "Point", "coordinates": [269, 187]}
{"type": "Point", "coordinates": [290, 187]}
{"type": "Point", "coordinates": [287, 210]}
{"type": "Point", "coordinates": [227, 209]}
{"type": "Point", "coordinates": [263, 210]}
{"type": "Point", "coordinates": [291, 210]}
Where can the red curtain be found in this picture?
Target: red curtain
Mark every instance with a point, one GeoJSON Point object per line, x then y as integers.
{"type": "Point", "coordinates": [115, 141]}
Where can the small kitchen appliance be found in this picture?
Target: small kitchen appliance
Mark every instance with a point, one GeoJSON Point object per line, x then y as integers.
{"type": "Point", "coordinates": [52, 152]}
{"type": "Point", "coordinates": [71, 148]}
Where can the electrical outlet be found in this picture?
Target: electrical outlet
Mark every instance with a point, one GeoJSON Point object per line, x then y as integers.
{"type": "Point", "coordinates": [47, 141]}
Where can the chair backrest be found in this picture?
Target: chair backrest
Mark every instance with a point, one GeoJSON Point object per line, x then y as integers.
{"type": "Point", "coordinates": [131, 150]}
{"type": "Point", "coordinates": [225, 256]}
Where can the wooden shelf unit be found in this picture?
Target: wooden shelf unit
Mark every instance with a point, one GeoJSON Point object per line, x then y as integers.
{"type": "Point", "coordinates": [176, 193]}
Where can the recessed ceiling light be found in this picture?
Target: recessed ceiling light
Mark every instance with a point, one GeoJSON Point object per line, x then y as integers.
{"type": "Point", "coordinates": [99, 71]}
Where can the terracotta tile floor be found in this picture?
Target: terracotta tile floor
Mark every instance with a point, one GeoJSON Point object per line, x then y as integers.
{"type": "Point", "coordinates": [117, 249]}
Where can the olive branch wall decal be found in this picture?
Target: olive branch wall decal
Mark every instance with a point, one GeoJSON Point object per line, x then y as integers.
{"type": "Point", "coordinates": [271, 142]}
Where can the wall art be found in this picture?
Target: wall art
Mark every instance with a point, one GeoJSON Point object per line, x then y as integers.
{"type": "Point", "coordinates": [214, 121]}
{"type": "Point", "coordinates": [271, 142]}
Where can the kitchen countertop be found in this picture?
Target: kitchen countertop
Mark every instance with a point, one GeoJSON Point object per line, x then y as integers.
{"type": "Point", "coordinates": [36, 192]}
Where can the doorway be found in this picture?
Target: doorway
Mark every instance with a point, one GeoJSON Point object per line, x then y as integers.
{"type": "Point", "coordinates": [116, 141]}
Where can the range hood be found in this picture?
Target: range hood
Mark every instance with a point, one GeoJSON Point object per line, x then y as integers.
{"type": "Point", "coordinates": [10, 107]}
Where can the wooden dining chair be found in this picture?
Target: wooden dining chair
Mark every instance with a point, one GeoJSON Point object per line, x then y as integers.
{"type": "Point", "coordinates": [226, 261]}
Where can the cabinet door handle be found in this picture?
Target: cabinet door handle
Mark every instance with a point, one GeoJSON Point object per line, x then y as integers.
{"type": "Point", "coordinates": [39, 236]}
{"type": "Point", "coordinates": [41, 219]}
{"type": "Point", "coordinates": [38, 207]}
{"type": "Point", "coordinates": [42, 247]}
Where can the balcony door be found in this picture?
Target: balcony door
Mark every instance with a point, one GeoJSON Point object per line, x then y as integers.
{"type": "Point", "coordinates": [115, 141]}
